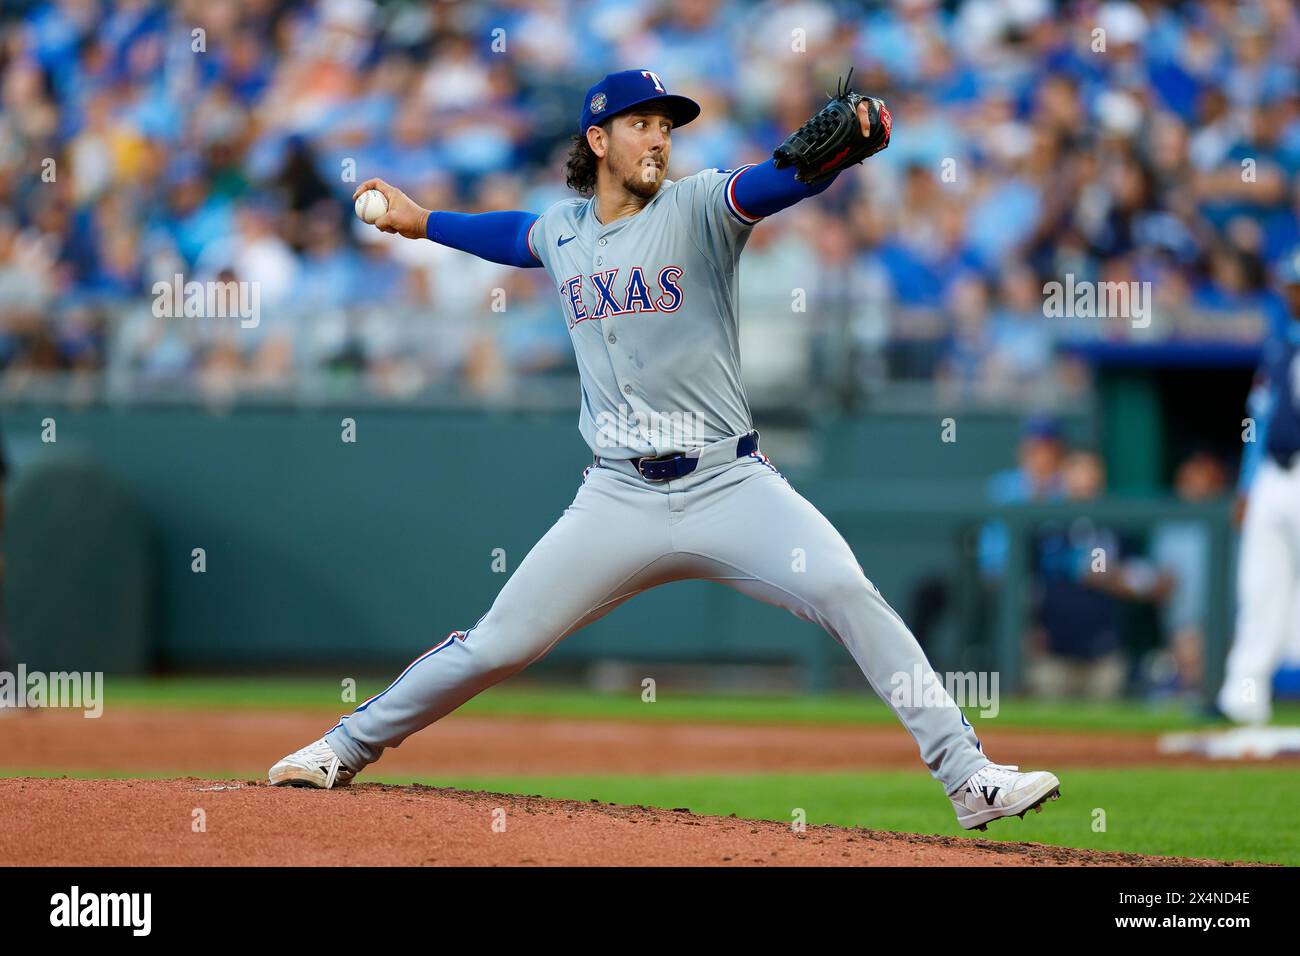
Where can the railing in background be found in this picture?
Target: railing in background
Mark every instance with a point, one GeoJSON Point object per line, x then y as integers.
{"type": "Point", "coordinates": [841, 352]}
{"type": "Point", "coordinates": [960, 520]}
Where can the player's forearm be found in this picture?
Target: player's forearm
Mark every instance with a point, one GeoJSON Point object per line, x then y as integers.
{"type": "Point", "coordinates": [758, 191]}
{"type": "Point", "coordinates": [496, 236]}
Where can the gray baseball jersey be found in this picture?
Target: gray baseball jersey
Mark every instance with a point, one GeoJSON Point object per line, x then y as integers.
{"type": "Point", "coordinates": [651, 305]}
{"type": "Point", "coordinates": [650, 300]}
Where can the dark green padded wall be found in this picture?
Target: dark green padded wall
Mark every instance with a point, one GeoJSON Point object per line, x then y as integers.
{"type": "Point", "coordinates": [321, 552]}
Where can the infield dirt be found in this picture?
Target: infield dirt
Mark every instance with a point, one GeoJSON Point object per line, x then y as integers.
{"type": "Point", "coordinates": [247, 823]}
{"type": "Point", "coordinates": [236, 743]}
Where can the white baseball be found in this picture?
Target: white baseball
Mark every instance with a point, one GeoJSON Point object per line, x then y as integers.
{"type": "Point", "coordinates": [370, 205]}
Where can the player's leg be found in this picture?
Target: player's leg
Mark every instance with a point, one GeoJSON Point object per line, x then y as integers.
{"type": "Point", "coordinates": [772, 544]}
{"type": "Point", "coordinates": [1266, 586]}
{"type": "Point", "coordinates": [610, 543]}
{"type": "Point", "coordinates": [769, 542]}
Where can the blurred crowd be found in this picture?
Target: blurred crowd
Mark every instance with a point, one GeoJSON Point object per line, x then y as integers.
{"type": "Point", "coordinates": [1116, 141]}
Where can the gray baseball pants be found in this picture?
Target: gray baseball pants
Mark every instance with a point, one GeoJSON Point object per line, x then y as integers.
{"type": "Point", "coordinates": [734, 520]}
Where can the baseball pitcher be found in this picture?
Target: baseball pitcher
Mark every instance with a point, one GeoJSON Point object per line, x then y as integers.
{"type": "Point", "coordinates": [645, 269]}
{"type": "Point", "coordinates": [1268, 568]}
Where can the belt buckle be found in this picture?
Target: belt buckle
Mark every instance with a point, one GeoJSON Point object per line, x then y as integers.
{"type": "Point", "coordinates": [641, 471]}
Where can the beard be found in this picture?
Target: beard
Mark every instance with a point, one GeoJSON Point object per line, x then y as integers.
{"type": "Point", "coordinates": [640, 178]}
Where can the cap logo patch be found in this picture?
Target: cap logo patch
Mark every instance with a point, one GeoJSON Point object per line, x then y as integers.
{"type": "Point", "coordinates": [598, 103]}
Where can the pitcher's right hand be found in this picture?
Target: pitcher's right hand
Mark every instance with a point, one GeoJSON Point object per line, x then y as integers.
{"type": "Point", "coordinates": [403, 217]}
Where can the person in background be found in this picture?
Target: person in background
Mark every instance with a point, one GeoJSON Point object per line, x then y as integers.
{"type": "Point", "coordinates": [1268, 570]}
{"type": "Point", "coordinates": [1181, 550]}
{"type": "Point", "coordinates": [1036, 477]}
{"type": "Point", "coordinates": [1084, 576]}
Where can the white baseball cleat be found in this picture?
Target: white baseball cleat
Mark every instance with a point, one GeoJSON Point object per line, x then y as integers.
{"type": "Point", "coordinates": [998, 790]}
{"type": "Point", "coordinates": [316, 765]}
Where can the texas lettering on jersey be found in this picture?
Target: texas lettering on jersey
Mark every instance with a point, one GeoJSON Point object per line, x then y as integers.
{"type": "Point", "coordinates": [621, 297]}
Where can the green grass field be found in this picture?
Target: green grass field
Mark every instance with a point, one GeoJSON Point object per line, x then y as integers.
{"type": "Point", "coordinates": [1217, 813]}
{"type": "Point", "coordinates": [1221, 812]}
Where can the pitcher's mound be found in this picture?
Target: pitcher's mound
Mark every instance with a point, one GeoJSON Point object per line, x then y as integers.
{"type": "Point", "coordinates": [192, 822]}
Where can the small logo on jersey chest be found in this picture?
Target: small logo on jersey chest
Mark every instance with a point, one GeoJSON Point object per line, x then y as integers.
{"type": "Point", "coordinates": [598, 103]}
{"type": "Point", "coordinates": [564, 239]}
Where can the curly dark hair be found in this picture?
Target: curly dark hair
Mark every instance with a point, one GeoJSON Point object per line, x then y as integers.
{"type": "Point", "coordinates": [580, 167]}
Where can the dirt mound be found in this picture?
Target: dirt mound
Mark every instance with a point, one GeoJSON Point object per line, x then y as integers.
{"type": "Point", "coordinates": [193, 822]}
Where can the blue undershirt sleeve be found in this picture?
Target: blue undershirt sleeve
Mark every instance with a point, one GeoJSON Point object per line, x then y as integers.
{"type": "Point", "coordinates": [758, 191]}
{"type": "Point", "coordinates": [496, 236]}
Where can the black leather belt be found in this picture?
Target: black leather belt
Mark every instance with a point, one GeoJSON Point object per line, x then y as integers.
{"type": "Point", "coordinates": [668, 467]}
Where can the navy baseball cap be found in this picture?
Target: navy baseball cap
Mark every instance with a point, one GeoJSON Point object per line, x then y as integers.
{"type": "Point", "coordinates": [619, 92]}
{"type": "Point", "coordinates": [1043, 427]}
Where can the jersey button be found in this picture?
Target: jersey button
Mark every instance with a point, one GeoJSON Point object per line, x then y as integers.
{"type": "Point", "coordinates": [599, 260]}
{"type": "Point", "coordinates": [627, 389]}
{"type": "Point", "coordinates": [612, 338]}
{"type": "Point", "coordinates": [604, 242]}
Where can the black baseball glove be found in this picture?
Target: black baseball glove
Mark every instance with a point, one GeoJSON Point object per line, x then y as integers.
{"type": "Point", "coordinates": [833, 138]}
